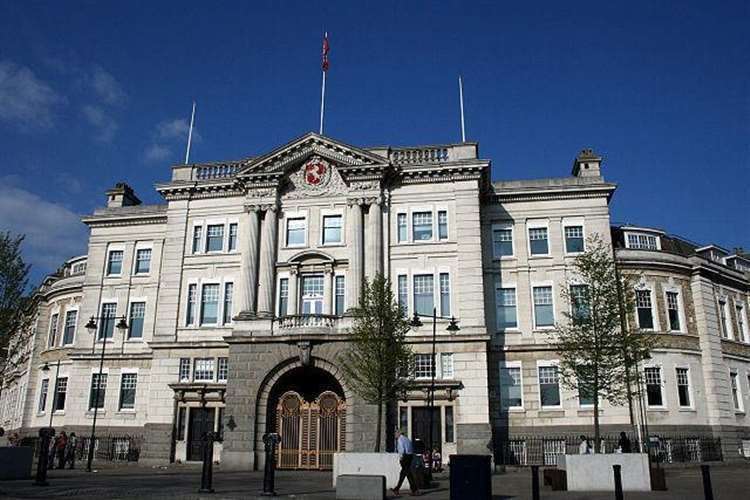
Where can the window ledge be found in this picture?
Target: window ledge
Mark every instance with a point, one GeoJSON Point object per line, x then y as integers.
{"type": "Point", "coordinates": [739, 412]}
{"type": "Point", "coordinates": [99, 413]}
{"type": "Point", "coordinates": [658, 409]}
{"type": "Point", "coordinates": [543, 329]}
{"type": "Point", "coordinates": [686, 409]}
{"type": "Point", "coordinates": [58, 413]}
{"type": "Point", "coordinates": [541, 256]}
{"type": "Point", "coordinates": [125, 412]}
{"type": "Point", "coordinates": [551, 412]}
{"type": "Point", "coordinates": [333, 245]}
{"type": "Point", "coordinates": [515, 409]}
{"type": "Point", "coordinates": [514, 331]}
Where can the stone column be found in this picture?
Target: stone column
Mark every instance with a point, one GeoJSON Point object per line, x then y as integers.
{"type": "Point", "coordinates": [267, 274]}
{"type": "Point", "coordinates": [374, 240]}
{"type": "Point", "coordinates": [293, 307]}
{"type": "Point", "coordinates": [355, 253]}
{"type": "Point", "coordinates": [248, 246]}
{"type": "Point", "coordinates": [328, 290]}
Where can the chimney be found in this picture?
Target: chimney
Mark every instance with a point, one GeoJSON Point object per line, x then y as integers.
{"type": "Point", "coordinates": [587, 164]}
{"type": "Point", "coordinates": [121, 195]}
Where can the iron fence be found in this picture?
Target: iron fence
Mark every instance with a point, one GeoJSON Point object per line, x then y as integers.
{"type": "Point", "coordinates": [124, 448]}
{"type": "Point", "coordinates": [544, 450]}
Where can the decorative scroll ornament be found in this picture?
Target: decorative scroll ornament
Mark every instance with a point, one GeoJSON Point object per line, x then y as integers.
{"type": "Point", "coordinates": [304, 353]}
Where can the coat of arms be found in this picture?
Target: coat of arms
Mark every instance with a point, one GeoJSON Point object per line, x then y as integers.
{"type": "Point", "coordinates": [316, 172]}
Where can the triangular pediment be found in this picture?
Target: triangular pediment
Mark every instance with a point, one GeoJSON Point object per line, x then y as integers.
{"type": "Point", "coordinates": [290, 155]}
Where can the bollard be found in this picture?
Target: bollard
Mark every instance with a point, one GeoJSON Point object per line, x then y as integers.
{"type": "Point", "coordinates": [45, 434]}
{"type": "Point", "coordinates": [618, 481]}
{"type": "Point", "coordinates": [269, 440]}
{"type": "Point", "coordinates": [207, 473]}
{"type": "Point", "coordinates": [535, 482]}
{"type": "Point", "coordinates": [708, 492]}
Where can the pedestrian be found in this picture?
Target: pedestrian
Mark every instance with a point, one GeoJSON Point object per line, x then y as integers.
{"type": "Point", "coordinates": [61, 444]}
{"type": "Point", "coordinates": [437, 460]}
{"type": "Point", "coordinates": [584, 448]}
{"type": "Point", "coordinates": [624, 444]}
{"type": "Point", "coordinates": [51, 452]}
{"type": "Point", "coordinates": [406, 457]}
{"type": "Point", "coordinates": [70, 451]}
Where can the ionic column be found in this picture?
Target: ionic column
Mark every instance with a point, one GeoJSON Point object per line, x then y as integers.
{"type": "Point", "coordinates": [328, 290]}
{"type": "Point", "coordinates": [293, 307]}
{"type": "Point", "coordinates": [354, 276]}
{"type": "Point", "coordinates": [374, 241]}
{"type": "Point", "coordinates": [248, 246]}
{"type": "Point", "coordinates": [267, 273]}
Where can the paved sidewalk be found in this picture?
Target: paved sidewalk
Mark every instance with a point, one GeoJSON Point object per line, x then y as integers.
{"type": "Point", "coordinates": [179, 481]}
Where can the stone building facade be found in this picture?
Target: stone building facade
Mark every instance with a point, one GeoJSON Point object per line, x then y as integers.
{"type": "Point", "coordinates": [236, 295]}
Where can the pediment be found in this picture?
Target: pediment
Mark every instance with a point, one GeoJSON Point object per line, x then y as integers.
{"type": "Point", "coordinates": [290, 156]}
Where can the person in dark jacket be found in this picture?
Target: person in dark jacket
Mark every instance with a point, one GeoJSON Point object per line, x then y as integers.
{"type": "Point", "coordinates": [624, 444]}
{"type": "Point", "coordinates": [60, 444]}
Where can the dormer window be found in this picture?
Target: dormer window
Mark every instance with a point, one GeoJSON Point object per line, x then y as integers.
{"type": "Point", "coordinates": [642, 241]}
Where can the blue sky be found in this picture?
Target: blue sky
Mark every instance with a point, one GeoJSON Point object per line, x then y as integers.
{"type": "Point", "coordinates": [96, 92]}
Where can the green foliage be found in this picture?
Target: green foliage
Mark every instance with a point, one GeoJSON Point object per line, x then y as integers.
{"type": "Point", "coordinates": [378, 357]}
{"type": "Point", "coordinates": [597, 350]}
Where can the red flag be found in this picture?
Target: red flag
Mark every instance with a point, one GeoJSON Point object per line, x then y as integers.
{"type": "Point", "coordinates": [325, 52]}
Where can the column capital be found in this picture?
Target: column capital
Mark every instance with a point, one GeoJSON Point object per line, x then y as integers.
{"type": "Point", "coordinates": [328, 268]}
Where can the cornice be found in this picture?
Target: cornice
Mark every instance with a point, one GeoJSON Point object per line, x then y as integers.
{"type": "Point", "coordinates": [552, 194]}
{"type": "Point", "coordinates": [114, 221]}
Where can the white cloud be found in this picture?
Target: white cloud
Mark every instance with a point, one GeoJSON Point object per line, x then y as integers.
{"type": "Point", "coordinates": [157, 152]}
{"type": "Point", "coordinates": [106, 125]}
{"type": "Point", "coordinates": [26, 101]}
{"type": "Point", "coordinates": [53, 232]}
{"type": "Point", "coordinates": [106, 86]}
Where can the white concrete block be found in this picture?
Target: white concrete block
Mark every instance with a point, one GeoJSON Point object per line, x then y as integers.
{"type": "Point", "coordinates": [372, 464]}
{"type": "Point", "coordinates": [595, 473]}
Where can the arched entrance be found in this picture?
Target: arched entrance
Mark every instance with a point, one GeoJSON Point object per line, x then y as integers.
{"type": "Point", "coordinates": [307, 408]}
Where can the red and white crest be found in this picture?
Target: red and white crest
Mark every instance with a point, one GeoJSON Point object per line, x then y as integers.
{"type": "Point", "coordinates": [316, 172]}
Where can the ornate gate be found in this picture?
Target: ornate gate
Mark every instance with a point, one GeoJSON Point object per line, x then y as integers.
{"type": "Point", "coordinates": [311, 432]}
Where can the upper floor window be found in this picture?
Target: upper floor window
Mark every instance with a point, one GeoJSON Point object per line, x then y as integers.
{"type": "Point", "coordinates": [511, 387]}
{"type": "Point", "coordinates": [295, 231]}
{"type": "Point", "coordinates": [683, 386]}
{"type": "Point", "coordinates": [579, 301]}
{"type": "Point", "coordinates": [402, 230]}
{"type": "Point", "coordinates": [502, 242]}
{"type": "Point", "coordinates": [232, 237]}
{"type": "Point", "coordinates": [53, 330]}
{"type": "Point", "coordinates": [114, 262]}
{"type": "Point", "coordinates": [573, 239]}
{"type": "Point", "coordinates": [98, 391]}
{"type": "Point", "coordinates": [423, 366]}
{"type": "Point", "coordinates": [339, 295]}
{"type": "Point", "coordinates": [283, 296]}
{"type": "Point", "coordinates": [641, 241]}
{"type": "Point", "coordinates": [210, 304]}
{"type": "Point", "coordinates": [403, 294]}
{"type": "Point", "coordinates": [43, 396]}
{"type": "Point", "coordinates": [215, 238]}
{"type": "Point", "coordinates": [197, 238]}
{"type": "Point", "coordinates": [673, 311]}
{"type": "Point", "coordinates": [128, 384]}
{"type": "Point", "coordinates": [204, 369]}
{"type": "Point", "coordinates": [61, 392]}
{"type": "Point", "coordinates": [445, 295]}
{"type": "Point", "coordinates": [71, 317]}
{"type": "Point", "coordinates": [421, 226]}
{"type": "Point", "coordinates": [538, 241]}
{"type": "Point", "coordinates": [332, 229]}
{"type": "Point", "coordinates": [135, 326]}
{"type": "Point", "coordinates": [424, 299]}
{"type": "Point", "coordinates": [222, 371]}
{"type": "Point", "coordinates": [107, 324]}
{"type": "Point", "coordinates": [644, 309]}
{"type": "Point", "coordinates": [184, 373]}
{"type": "Point", "coordinates": [143, 261]}
{"type": "Point", "coordinates": [192, 302]}
{"type": "Point", "coordinates": [505, 302]}
{"type": "Point", "coordinates": [544, 314]}
{"type": "Point", "coordinates": [654, 396]}
{"type": "Point", "coordinates": [724, 324]}
{"type": "Point", "coordinates": [736, 393]}
{"type": "Point", "coordinates": [549, 385]}
{"type": "Point", "coordinates": [442, 225]}
{"type": "Point", "coordinates": [228, 293]}
{"type": "Point", "coordinates": [446, 365]}
{"type": "Point", "coordinates": [742, 330]}
{"type": "Point", "coordinates": [78, 268]}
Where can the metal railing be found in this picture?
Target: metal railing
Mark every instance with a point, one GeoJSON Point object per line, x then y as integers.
{"type": "Point", "coordinates": [544, 450]}
{"type": "Point", "coordinates": [123, 448]}
{"type": "Point", "coordinates": [307, 320]}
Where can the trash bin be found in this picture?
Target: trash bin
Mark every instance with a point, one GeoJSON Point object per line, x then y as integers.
{"type": "Point", "coordinates": [470, 477]}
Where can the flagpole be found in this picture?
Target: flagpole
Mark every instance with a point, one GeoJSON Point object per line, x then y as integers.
{"type": "Point", "coordinates": [190, 135]}
{"type": "Point", "coordinates": [461, 98]}
{"type": "Point", "coordinates": [322, 101]}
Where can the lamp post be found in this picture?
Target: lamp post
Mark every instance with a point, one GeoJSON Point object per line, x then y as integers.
{"type": "Point", "coordinates": [453, 327]}
{"type": "Point", "coordinates": [91, 327]}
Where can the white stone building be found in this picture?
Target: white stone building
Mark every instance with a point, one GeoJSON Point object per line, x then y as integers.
{"type": "Point", "coordinates": [235, 293]}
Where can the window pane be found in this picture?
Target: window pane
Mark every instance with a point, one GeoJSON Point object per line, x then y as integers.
{"type": "Point", "coordinates": [340, 294]}
{"type": "Point", "coordinates": [283, 296]}
{"type": "Point", "coordinates": [137, 313]}
{"type": "Point", "coordinates": [423, 294]}
{"type": "Point", "coordinates": [443, 225]}
{"type": "Point", "coordinates": [652, 377]}
{"type": "Point", "coordinates": [549, 387]}
{"type": "Point", "coordinates": [543, 311]}
{"type": "Point", "coordinates": [401, 218]}
{"type": "Point", "coordinates": [107, 324]}
{"type": "Point", "coordinates": [114, 264]}
{"type": "Point", "coordinates": [510, 387]}
{"type": "Point", "coordinates": [332, 229]}
{"type": "Point", "coordinates": [197, 236]}
{"type": "Point", "coordinates": [127, 390]}
{"type": "Point", "coordinates": [574, 239]}
{"type": "Point", "coordinates": [61, 392]}
{"type": "Point", "coordinates": [579, 302]}
{"type": "Point", "coordinates": [505, 301]}
{"type": "Point", "coordinates": [192, 301]}
{"type": "Point", "coordinates": [446, 365]}
{"type": "Point", "coordinates": [735, 391]}
{"type": "Point", "coordinates": [295, 231]}
{"type": "Point", "coordinates": [585, 396]}
{"type": "Point", "coordinates": [673, 310]}
{"type": "Point", "coordinates": [232, 237]}
{"type": "Point", "coordinates": [423, 366]}
{"type": "Point", "coordinates": [445, 295]}
{"type": "Point", "coordinates": [53, 330]}
{"type": "Point", "coordinates": [502, 242]}
{"type": "Point", "coordinates": [222, 371]}
{"type": "Point", "coordinates": [449, 424]}
{"type": "Point", "coordinates": [538, 241]}
{"type": "Point", "coordinates": [422, 226]}
{"type": "Point", "coordinates": [43, 395]}
{"type": "Point", "coordinates": [403, 294]}
{"type": "Point", "coordinates": [643, 305]}
{"type": "Point", "coordinates": [71, 317]}
{"type": "Point", "coordinates": [683, 386]}
{"type": "Point", "coordinates": [184, 369]}
{"type": "Point", "coordinates": [210, 304]}
{"type": "Point", "coordinates": [98, 390]}
{"type": "Point", "coordinates": [204, 369]}
{"type": "Point", "coordinates": [215, 238]}
{"type": "Point", "coordinates": [228, 296]}
{"type": "Point", "coordinates": [143, 260]}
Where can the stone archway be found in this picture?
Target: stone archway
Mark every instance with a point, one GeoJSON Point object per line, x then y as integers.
{"type": "Point", "coordinates": [310, 408]}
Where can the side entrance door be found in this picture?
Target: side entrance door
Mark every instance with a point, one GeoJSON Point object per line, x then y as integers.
{"type": "Point", "coordinates": [201, 420]}
{"type": "Point", "coordinates": [420, 427]}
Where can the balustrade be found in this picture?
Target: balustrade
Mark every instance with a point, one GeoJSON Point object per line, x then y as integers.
{"type": "Point", "coordinates": [308, 320]}
{"type": "Point", "coordinates": [421, 155]}
{"type": "Point", "coordinates": [214, 172]}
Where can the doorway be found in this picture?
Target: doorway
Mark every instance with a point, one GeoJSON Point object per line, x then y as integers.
{"type": "Point", "coordinates": [201, 420]}
{"type": "Point", "coordinates": [420, 426]}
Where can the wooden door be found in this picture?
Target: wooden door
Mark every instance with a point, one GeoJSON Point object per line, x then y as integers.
{"type": "Point", "coordinates": [201, 420]}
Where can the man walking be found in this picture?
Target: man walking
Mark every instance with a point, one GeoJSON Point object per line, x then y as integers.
{"type": "Point", "coordinates": [60, 444]}
{"type": "Point", "coordinates": [70, 452]}
{"type": "Point", "coordinates": [406, 457]}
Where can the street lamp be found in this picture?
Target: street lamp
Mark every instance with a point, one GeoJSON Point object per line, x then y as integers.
{"type": "Point", "coordinates": [122, 326]}
{"type": "Point", "coordinates": [452, 327]}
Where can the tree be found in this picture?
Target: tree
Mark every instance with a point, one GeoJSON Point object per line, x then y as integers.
{"type": "Point", "coordinates": [14, 320]}
{"type": "Point", "coordinates": [597, 348]}
{"type": "Point", "coordinates": [378, 358]}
